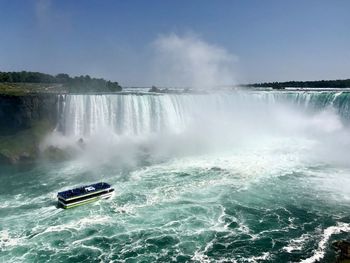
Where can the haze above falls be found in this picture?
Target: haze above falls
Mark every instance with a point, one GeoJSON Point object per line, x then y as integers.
{"type": "Point", "coordinates": [161, 126]}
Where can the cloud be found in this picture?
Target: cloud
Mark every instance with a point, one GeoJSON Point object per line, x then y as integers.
{"type": "Point", "coordinates": [189, 61]}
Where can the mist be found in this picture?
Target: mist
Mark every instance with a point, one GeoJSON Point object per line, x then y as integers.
{"type": "Point", "coordinates": [133, 130]}
{"type": "Point", "coordinates": [188, 61]}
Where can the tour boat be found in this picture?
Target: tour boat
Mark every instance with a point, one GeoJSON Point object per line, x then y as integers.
{"type": "Point", "coordinates": [84, 194]}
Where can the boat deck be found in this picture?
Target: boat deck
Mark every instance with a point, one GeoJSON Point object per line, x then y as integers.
{"type": "Point", "coordinates": [83, 190]}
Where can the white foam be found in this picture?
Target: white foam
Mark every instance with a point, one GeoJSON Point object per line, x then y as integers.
{"type": "Point", "coordinates": [76, 225]}
{"type": "Point", "coordinates": [296, 244]}
{"type": "Point", "coordinates": [6, 240]}
{"type": "Point", "coordinates": [327, 233]}
{"type": "Point", "coordinates": [124, 209]}
{"type": "Point", "coordinates": [201, 257]}
{"type": "Point", "coordinates": [265, 256]}
{"type": "Point", "coordinates": [4, 204]}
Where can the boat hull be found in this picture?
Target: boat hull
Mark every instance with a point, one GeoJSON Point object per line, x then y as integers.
{"type": "Point", "coordinates": [86, 201]}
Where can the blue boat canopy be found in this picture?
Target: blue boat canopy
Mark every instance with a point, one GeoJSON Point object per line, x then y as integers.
{"type": "Point", "coordinates": [83, 190]}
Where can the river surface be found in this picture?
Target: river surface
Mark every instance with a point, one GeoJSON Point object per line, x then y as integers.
{"type": "Point", "coordinates": [264, 183]}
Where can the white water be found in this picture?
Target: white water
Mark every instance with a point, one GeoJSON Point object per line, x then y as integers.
{"type": "Point", "coordinates": [84, 115]}
{"type": "Point", "coordinates": [255, 169]}
{"type": "Point", "coordinates": [125, 127]}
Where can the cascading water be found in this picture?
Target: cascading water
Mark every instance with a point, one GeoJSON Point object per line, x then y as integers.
{"type": "Point", "coordinates": [82, 115]}
{"type": "Point", "coordinates": [220, 177]}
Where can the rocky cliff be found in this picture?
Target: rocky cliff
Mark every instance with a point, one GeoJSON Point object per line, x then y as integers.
{"type": "Point", "coordinates": [24, 122]}
{"type": "Point", "coordinates": [20, 112]}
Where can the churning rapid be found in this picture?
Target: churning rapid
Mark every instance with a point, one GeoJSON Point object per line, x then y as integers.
{"type": "Point", "coordinates": [217, 177]}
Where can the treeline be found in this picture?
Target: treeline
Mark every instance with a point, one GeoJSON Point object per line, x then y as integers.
{"type": "Point", "coordinates": [341, 83]}
{"type": "Point", "coordinates": [72, 84]}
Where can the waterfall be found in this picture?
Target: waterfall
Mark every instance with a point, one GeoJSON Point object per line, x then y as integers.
{"type": "Point", "coordinates": [137, 114]}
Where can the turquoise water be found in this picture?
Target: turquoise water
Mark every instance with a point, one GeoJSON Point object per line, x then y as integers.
{"type": "Point", "coordinates": [198, 209]}
{"type": "Point", "coordinates": [271, 198]}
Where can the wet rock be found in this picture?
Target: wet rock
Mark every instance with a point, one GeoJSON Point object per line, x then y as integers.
{"type": "Point", "coordinates": [56, 154]}
{"type": "Point", "coordinates": [81, 143]}
{"type": "Point", "coordinates": [23, 158]}
{"type": "Point", "coordinates": [342, 248]}
{"type": "Point", "coordinates": [154, 89]}
{"type": "Point", "coordinates": [216, 169]}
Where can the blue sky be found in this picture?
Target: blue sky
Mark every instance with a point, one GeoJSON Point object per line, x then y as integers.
{"type": "Point", "coordinates": [269, 40]}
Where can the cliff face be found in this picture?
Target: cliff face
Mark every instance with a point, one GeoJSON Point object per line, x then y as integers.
{"type": "Point", "coordinates": [20, 112]}
{"type": "Point", "coordinates": [24, 122]}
